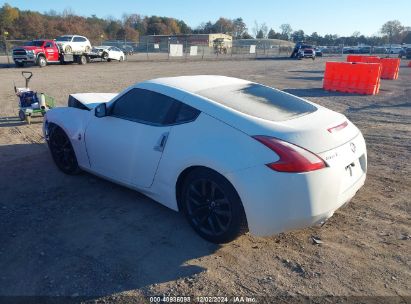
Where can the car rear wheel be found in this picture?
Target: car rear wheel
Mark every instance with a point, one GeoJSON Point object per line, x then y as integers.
{"type": "Point", "coordinates": [212, 206]}
{"type": "Point", "coordinates": [62, 151]}
{"type": "Point", "coordinates": [104, 56]}
{"type": "Point", "coordinates": [121, 59]}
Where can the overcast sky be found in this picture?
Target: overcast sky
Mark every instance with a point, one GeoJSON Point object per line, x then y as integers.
{"type": "Point", "coordinates": [322, 16]}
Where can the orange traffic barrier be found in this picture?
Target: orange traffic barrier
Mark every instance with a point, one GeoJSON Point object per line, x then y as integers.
{"type": "Point", "coordinates": [362, 58]}
{"type": "Point", "coordinates": [390, 66]}
{"type": "Point", "coordinates": [348, 77]}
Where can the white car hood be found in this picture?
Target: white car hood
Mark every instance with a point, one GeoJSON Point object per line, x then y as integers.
{"type": "Point", "coordinates": [91, 100]}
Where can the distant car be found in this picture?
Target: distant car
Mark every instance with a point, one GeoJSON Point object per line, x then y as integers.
{"type": "Point", "coordinates": [306, 51]}
{"type": "Point", "coordinates": [364, 50]}
{"type": "Point", "coordinates": [230, 154]}
{"type": "Point", "coordinates": [128, 50]}
{"type": "Point", "coordinates": [40, 52]}
{"type": "Point", "coordinates": [350, 50]}
{"type": "Point", "coordinates": [109, 53]}
{"type": "Point", "coordinates": [395, 50]}
{"type": "Point", "coordinates": [73, 44]}
{"type": "Point", "coordinates": [302, 50]}
{"type": "Point", "coordinates": [318, 52]}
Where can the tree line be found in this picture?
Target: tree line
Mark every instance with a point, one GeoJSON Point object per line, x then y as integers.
{"type": "Point", "coordinates": [26, 24]}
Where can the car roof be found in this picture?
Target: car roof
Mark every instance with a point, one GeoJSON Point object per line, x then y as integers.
{"type": "Point", "coordinates": [71, 36]}
{"type": "Point", "coordinates": [196, 83]}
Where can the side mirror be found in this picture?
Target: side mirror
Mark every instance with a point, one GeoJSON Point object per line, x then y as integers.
{"type": "Point", "coordinates": [100, 110]}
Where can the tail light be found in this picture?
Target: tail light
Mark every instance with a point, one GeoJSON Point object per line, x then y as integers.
{"type": "Point", "coordinates": [292, 158]}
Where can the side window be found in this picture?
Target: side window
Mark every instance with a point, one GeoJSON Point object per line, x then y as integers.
{"type": "Point", "coordinates": [144, 106]}
{"type": "Point", "coordinates": [77, 39]}
{"type": "Point", "coordinates": [186, 114]}
{"type": "Point", "coordinates": [48, 45]}
{"type": "Point", "coordinates": [82, 39]}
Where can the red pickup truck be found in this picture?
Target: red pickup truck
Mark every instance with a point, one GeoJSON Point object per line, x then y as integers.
{"type": "Point", "coordinates": [39, 52]}
{"type": "Point", "coordinates": [43, 51]}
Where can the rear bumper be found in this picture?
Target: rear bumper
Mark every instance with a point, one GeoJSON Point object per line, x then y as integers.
{"type": "Point", "coordinates": [276, 202]}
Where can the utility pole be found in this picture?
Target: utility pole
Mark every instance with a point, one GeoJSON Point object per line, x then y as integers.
{"type": "Point", "coordinates": [5, 34]}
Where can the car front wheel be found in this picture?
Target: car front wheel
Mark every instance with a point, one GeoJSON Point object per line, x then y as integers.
{"type": "Point", "coordinates": [212, 206]}
{"type": "Point", "coordinates": [41, 61]}
{"type": "Point", "coordinates": [62, 151]}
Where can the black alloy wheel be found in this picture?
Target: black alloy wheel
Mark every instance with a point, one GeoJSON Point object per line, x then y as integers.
{"type": "Point", "coordinates": [213, 207]}
{"type": "Point", "coordinates": [62, 151]}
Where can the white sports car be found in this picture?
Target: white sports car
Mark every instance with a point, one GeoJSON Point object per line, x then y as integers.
{"type": "Point", "coordinates": [109, 53]}
{"type": "Point", "coordinates": [232, 155]}
{"type": "Point", "coordinates": [73, 43]}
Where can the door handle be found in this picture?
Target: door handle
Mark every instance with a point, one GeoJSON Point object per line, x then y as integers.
{"type": "Point", "coordinates": [161, 142]}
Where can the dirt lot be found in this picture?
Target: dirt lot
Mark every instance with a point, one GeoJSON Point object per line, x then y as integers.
{"type": "Point", "coordinates": [83, 236]}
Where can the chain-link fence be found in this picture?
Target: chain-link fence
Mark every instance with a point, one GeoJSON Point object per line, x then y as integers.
{"type": "Point", "coordinates": [364, 50]}
{"type": "Point", "coordinates": [238, 49]}
{"type": "Point", "coordinates": [174, 51]}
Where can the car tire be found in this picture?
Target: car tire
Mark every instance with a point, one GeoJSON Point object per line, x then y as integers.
{"type": "Point", "coordinates": [68, 49]}
{"type": "Point", "coordinates": [82, 60]}
{"type": "Point", "coordinates": [212, 206]}
{"type": "Point", "coordinates": [62, 151]}
{"type": "Point", "coordinates": [121, 59]}
{"type": "Point", "coordinates": [108, 60]}
{"type": "Point", "coordinates": [41, 61]}
{"type": "Point", "coordinates": [104, 56]}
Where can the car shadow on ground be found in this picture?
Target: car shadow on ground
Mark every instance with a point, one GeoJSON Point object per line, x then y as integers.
{"type": "Point", "coordinates": [65, 235]}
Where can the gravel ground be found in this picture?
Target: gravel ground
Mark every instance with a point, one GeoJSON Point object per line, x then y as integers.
{"type": "Point", "coordinates": [83, 236]}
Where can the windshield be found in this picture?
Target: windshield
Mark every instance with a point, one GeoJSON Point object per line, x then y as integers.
{"type": "Point", "coordinates": [34, 43]}
{"type": "Point", "coordinates": [63, 38]}
{"type": "Point", "coordinates": [259, 101]}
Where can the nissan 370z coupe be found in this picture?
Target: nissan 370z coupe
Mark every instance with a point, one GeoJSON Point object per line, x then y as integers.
{"type": "Point", "coordinates": [230, 154]}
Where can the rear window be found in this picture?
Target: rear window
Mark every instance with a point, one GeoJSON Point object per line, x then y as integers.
{"type": "Point", "coordinates": [63, 38]}
{"type": "Point", "coordinates": [259, 101]}
{"type": "Point", "coordinates": [34, 43]}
